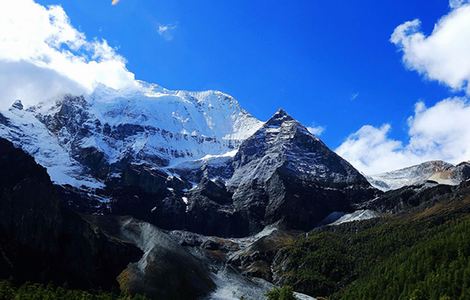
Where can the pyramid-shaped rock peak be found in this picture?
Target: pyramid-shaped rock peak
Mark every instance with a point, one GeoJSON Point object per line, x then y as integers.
{"type": "Point", "coordinates": [284, 172]}
{"type": "Point", "coordinates": [17, 105]}
{"type": "Point", "coordinates": [278, 118]}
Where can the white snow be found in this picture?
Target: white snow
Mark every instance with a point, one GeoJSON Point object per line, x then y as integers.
{"type": "Point", "coordinates": [212, 156]}
{"type": "Point", "coordinates": [358, 215]}
{"type": "Point", "coordinates": [210, 159]}
{"type": "Point", "coordinates": [215, 120]}
{"type": "Point", "coordinates": [186, 202]}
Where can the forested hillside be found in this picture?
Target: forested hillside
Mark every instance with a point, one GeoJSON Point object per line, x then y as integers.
{"type": "Point", "coordinates": [419, 255]}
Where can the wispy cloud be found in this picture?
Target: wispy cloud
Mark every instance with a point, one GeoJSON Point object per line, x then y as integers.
{"type": "Point", "coordinates": [166, 31]}
{"type": "Point", "coordinates": [354, 96]}
{"type": "Point", "coordinates": [316, 130]}
{"type": "Point", "coordinates": [115, 2]}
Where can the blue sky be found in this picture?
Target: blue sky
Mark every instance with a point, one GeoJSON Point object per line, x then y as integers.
{"type": "Point", "coordinates": [328, 63]}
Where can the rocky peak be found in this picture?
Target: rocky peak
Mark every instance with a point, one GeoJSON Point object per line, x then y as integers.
{"type": "Point", "coordinates": [284, 172]}
{"type": "Point", "coordinates": [278, 118]}
{"type": "Point", "coordinates": [284, 142]}
{"type": "Point", "coordinates": [282, 124]}
{"type": "Point", "coordinates": [17, 105]}
{"type": "Point", "coordinates": [278, 129]}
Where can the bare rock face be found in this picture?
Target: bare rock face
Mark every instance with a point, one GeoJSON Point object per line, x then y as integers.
{"type": "Point", "coordinates": [408, 198]}
{"type": "Point", "coordinates": [166, 270]}
{"type": "Point", "coordinates": [42, 241]}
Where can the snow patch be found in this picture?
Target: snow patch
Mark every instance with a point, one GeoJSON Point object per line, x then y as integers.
{"type": "Point", "coordinates": [358, 215]}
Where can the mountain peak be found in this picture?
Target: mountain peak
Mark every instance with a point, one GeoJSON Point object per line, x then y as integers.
{"type": "Point", "coordinates": [280, 111]}
{"type": "Point", "coordinates": [17, 104]}
{"type": "Point", "coordinates": [279, 117]}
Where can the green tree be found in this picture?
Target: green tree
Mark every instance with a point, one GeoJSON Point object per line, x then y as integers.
{"type": "Point", "coordinates": [281, 293]}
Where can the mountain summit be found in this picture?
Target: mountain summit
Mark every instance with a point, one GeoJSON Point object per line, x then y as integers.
{"type": "Point", "coordinates": [284, 172]}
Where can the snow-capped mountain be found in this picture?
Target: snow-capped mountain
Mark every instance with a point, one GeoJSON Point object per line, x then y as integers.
{"type": "Point", "coordinates": [82, 140]}
{"type": "Point", "coordinates": [284, 169]}
{"type": "Point", "coordinates": [185, 160]}
{"type": "Point", "coordinates": [438, 171]}
{"type": "Point", "coordinates": [282, 172]}
{"type": "Point", "coordinates": [284, 143]}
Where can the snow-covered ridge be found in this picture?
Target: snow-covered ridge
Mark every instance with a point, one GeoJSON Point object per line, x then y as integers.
{"type": "Point", "coordinates": [438, 171]}
{"type": "Point", "coordinates": [148, 125]}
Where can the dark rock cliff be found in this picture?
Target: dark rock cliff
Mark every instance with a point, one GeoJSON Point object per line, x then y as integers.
{"type": "Point", "coordinates": [42, 241]}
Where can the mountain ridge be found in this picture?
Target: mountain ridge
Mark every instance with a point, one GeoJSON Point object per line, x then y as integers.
{"type": "Point", "coordinates": [152, 126]}
{"type": "Point", "coordinates": [436, 171]}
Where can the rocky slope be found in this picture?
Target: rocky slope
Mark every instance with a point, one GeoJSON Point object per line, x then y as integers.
{"type": "Point", "coordinates": [166, 270]}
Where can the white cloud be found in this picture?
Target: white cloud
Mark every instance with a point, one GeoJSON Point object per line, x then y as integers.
{"type": "Point", "coordinates": [115, 2]}
{"type": "Point", "coordinates": [444, 54]}
{"type": "Point", "coordinates": [32, 84]}
{"type": "Point", "coordinates": [166, 31]}
{"type": "Point", "coordinates": [316, 130]}
{"type": "Point", "coordinates": [440, 132]}
{"type": "Point", "coordinates": [39, 38]}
